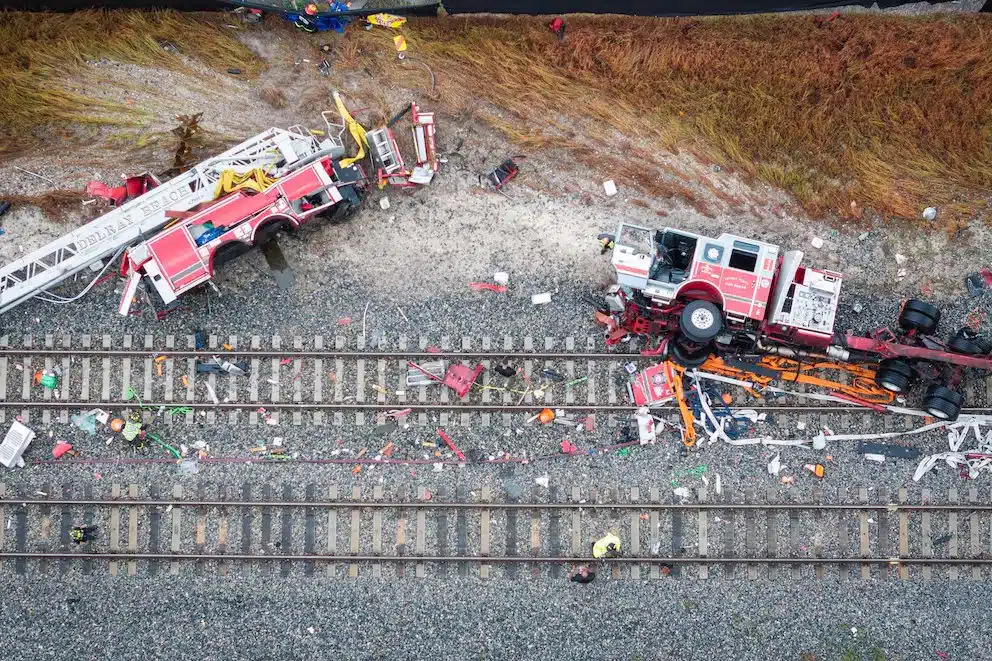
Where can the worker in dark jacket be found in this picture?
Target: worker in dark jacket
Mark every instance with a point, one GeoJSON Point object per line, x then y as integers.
{"type": "Point", "coordinates": [581, 574]}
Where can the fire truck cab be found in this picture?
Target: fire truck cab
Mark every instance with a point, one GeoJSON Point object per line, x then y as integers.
{"type": "Point", "coordinates": [186, 254]}
{"type": "Point", "coordinates": [697, 290]}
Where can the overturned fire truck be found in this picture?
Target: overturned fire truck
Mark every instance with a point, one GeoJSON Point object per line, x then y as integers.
{"type": "Point", "coordinates": [734, 297]}
{"type": "Point", "coordinates": [173, 235]}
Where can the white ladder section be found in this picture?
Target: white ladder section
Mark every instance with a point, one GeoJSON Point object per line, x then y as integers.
{"type": "Point", "coordinates": [277, 151]}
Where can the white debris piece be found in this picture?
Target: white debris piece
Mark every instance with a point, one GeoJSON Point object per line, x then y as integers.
{"type": "Point", "coordinates": [682, 492]}
{"type": "Point", "coordinates": [817, 242]}
{"type": "Point", "coordinates": [610, 187]}
{"type": "Point", "coordinates": [14, 444]}
{"type": "Point", "coordinates": [541, 299]}
{"type": "Point", "coordinates": [901, 259]}
{"type": "Point", "coordinates": [501, 278]}
{"type": "Point", "coordinates": [719, 486]}
{"type": "Point", "coordinates": [880, 458]}
{"type": "Point", "coordinates": [277, 441]}
{"type": "Point", "coordinates": [930, 213]}
{"type": "Point", "coordinates": [646, 430]}
{"type": "Point", "coordinates": [543, 481]}
{"type": "Point", "coordinates": [384, 203]}
{"type": "Point", "coordinates": [775, 465]}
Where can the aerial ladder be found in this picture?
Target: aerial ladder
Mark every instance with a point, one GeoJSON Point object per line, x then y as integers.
{"type": "Point", "coordinates": [276, 151]}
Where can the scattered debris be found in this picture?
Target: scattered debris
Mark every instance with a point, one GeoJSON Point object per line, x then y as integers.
{"type": "Point", "coordinates": [501, 278]}
{"type": "Point", "coordinates": [610, 187]}
{"type": "Point", "coordinates": [889, 450]}
{"type": "Point", "coordinates": [541, 299]}
{"type": "Point", "coordinates": [60, 449]}
{"type": "Point", "coordinates": [682, 492]}
{"type": "Point", "coordinates": [451, 444]}
{"type": "Point", "coordinates": [901, 259]}
{"type": "Point", "coordinates": [930, 213]}
{"type": "Point", "coordinates": [384, 203]}
{"type": "Point", "coordinates": [543, 481]}
{"type": "Point", "coordinates": [487, 286]}
{"type": "Point", "coordinates": [817, 242]}
{"type": "Point", "coordinates": [14, 444]}
{"type": "Point", "coordinates": [775, 465]}
{"type": "Point", "coordinates": [974, 283]}
{"type": "Point", "coordinates": [815, 469]}
{"type": "Point", "coordinates": [501, 174]}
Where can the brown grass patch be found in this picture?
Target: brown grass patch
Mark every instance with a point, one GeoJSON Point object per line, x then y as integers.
{"type": "Point", "coordinates": [274, 97]}
{"type": "Point", "coordinates": [41, 52]}
{"type": "Point", "coordinates": [891, 112]}
{"type": "Point", "coordinates": [56, 204]}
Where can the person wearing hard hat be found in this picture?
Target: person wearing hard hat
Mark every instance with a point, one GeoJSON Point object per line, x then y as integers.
{"type": "Point", "coordinates": [133, 431]}
{"type": "Point", "coordinates": [607, 546]}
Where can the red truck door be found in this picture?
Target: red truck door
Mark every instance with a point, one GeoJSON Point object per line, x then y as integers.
{"type": "Point", "coordinates": [178, 261]}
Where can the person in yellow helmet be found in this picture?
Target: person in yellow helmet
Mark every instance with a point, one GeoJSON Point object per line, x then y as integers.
{"type": "Point", "coordinates": [607, 546]}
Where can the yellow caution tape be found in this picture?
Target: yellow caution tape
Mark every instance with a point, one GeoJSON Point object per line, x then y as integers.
{"type": "Point", "coordinates": [386, 20]}
{"type": "Point", "coordinates": [356, 130]}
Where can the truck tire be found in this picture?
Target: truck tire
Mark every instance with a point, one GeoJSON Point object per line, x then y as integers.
{"type": "Point", "coordinates": [894, 375]}
{"type": "Point", "coordinates": [969, 343]}
{"type": "Point", "coordinates": [700, 322]}
{"type": "Point", "coordinates": [919, 316]}
{"type": "Point", "coordinates": [685, 357]}
{"type": "Point", "coordinates": [942, 403]}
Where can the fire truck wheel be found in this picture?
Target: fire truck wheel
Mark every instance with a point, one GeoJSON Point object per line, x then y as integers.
{"type": "Point", "coordinates": [919, 316]}
{"type": "Point", "coordinates": [970, 343]}
{"type": "Point", "coordinates": [686, 358]}
{"type": "Point", "coordinates": [700, 321]}
{"type": "Point", "coordinates": [894, 375]}
{"type": "Point", "coordinates": [942, 403]}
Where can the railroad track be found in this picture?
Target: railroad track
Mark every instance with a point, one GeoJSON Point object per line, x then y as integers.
{"type": "Point", "coordinates": [350, 534]}
{"type": "Point", "coordinates": [314, 381]}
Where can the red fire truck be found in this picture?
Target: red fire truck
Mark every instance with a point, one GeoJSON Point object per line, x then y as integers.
{"type": "Point", "coordinates": [733, 296]}
{"type": "Point", "coordinates": [186, 254]}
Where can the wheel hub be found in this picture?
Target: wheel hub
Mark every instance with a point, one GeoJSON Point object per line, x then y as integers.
{"type": "Point", "coordinates": [702, 318]}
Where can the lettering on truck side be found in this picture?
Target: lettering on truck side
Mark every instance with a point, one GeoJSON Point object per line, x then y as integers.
{"type": "Point", "coordinates": [125, 222]}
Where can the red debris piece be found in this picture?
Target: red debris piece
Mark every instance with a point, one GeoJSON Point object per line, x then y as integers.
{"type": "Point", "coordinates": [451, 444]}
{"type": "Point", "coordinates": [460, 378]}
{"type": "Point", "coordinates": [480, 286]}
{"type": "Point", "coordinates": [987, 275]}
{"type": "Point", "coordinates": [433, 349]}
{"type": "Point", "coordinates": [590, 423]}
{"type": "Point", "coordinates": [60, 449]}
{"type": "Point", "coordinates": [344, 321]}
{"type": "Point", "coordinates": [285, 361]}
{"type": "Point", "coordinates": [568, 447]}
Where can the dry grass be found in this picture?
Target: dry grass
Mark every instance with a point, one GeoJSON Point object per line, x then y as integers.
{"type": "Point", "coordinates": [56, 204]}
{"type": "Point", "coordinates": [892, 113]}
{"type": "Point", "coordinates": [40, 54]}
{"type": "Point", "coordinates": [274, 97]}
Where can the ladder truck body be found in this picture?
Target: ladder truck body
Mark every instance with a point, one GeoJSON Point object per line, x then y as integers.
{"type": "Point", "coordinates": [276, 151]}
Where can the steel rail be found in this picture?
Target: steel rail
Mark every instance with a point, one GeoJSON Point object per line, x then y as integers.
{"type": "Point", "coordinates": [487, 559]}
{"type": "Point", "coordinates": [296, 353]}
{"type": "Point", "coordinates": [346, 504]}
{"type": "Point", "coordinates": [415, 407]}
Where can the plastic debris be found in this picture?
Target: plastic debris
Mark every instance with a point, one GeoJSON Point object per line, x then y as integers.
{"type": "Point", "coordinates": [681, 492]}
{"type": "Point", "coordinates": [384, 203]}
{"type": "Point", "coordinates": [815, 469]}
{"type": "Point", "coordinates": [14, 444]}
{"type": "Point", "coordinates": [646, 430]}
{"type": "Point", "coordinates": [880, 458]}
{"type": "Point", "coordinates": [546, 416]}
{"type": "Point", "coordinates": [817, 242]}
{"type": "Point", "coordinates": [568, 447]}
{"type": "Point", "coordinates": [189, 466]}
{"type": "Point", "coordinates": [487, 286]}
{"type": "Point", "coordinates": [541, 299]}
{"type": "Point", "coordinates": [86, 422]}
{"type": "Point", "coordinates": [788, 479]}
{"type": "Point", "coordinates": [930, 213]}
{"type": "Point", "coordinates": [543, 481]}
{"type": "Point", "coordinates": [775, 465]}
{"type": "Point", "coordinates": [60, 449]}
{"type": "Point", "coordinates": [501, 278]}
{"type": "Point", "coordinates": [610, 187]}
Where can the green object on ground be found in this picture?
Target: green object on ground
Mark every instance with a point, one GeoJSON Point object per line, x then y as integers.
{"type": "Point", "coordinates": [623, 452]}
{"type": "Point", "coordinates": [173, 451]}
{"type": "Point", "coordinates": [49, 381]}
